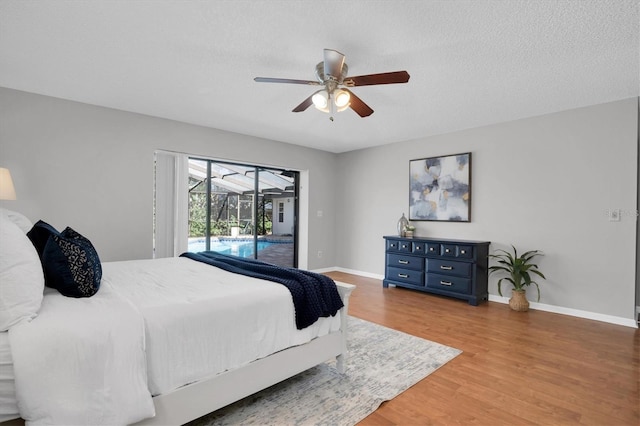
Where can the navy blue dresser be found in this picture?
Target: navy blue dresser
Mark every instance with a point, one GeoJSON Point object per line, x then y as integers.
{"type": "Point", "coordinates": [455, 268]}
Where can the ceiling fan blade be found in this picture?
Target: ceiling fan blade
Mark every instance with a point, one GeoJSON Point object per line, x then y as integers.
{"type": "Point", "coordinates": [285, 80]}
{"type": "Point", "coordinates": [333, 62]}
{"type": "Point", "coordinates": [356, 104]}
{"type": "Point", "coordinates": [383, 78]}
{"type": "Point", "coordinates": [304, 105]}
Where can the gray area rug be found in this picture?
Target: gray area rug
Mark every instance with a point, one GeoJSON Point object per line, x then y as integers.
{"type": "Point", "coordinates": [382, 364]}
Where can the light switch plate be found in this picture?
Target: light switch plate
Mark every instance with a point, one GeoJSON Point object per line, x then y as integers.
{"type": "Point", "coordinates": [614, 215]}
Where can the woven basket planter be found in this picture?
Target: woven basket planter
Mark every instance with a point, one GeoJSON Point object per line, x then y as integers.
{"type": "Point", "coordinates": [518, 301]}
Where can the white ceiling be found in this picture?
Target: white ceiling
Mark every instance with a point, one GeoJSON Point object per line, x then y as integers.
{"type": "Point", "coordinates": [472, 63]}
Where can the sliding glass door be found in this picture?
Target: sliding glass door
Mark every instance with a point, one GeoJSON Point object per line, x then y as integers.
{"type": "Point", "coordinates": [243, 210]}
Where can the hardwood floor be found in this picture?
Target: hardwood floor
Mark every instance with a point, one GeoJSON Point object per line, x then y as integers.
{"type": "Point", "coordinates": [516, 368]}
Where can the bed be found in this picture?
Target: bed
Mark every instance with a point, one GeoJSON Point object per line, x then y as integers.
{"type": "Point", "coordinates": [163, 341]}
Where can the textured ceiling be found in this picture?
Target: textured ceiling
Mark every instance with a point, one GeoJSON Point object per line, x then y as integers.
{"type": "Point", "coordinates": [472, 63]}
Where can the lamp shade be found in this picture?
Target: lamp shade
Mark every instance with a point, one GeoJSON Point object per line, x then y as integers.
{"type": "Point", "coordinates": [320, 99]}
{"type": "Point", "coordinates": [7, 191]}
{"type": "Point", "coordinates": [342, 98]}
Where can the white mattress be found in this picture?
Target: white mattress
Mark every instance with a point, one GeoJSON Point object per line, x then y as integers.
{"type": "Point", "coordinates": [8, 403]}
{"type": "Point", "coordinates": [213, 321]}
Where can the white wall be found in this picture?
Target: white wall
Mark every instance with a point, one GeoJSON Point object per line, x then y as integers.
{"type": "Point", "coordinates": [91, 168]}
{"type": "Point", "coordinates": [540, 183]}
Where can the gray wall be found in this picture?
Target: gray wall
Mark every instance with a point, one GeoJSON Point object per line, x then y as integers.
{"type": "Point", "coordinates": [91, 168]}
{"type": "Point", "coordinates": [637, 212]}
{"type": "Point", "coordinates": [540, 183]}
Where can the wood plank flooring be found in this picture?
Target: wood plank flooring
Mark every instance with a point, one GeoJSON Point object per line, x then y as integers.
{"type": "Point", "coordinates": [517, 368]}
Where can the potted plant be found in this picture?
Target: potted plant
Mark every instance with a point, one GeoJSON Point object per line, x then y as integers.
{"type": "Point", "coordinates": [520, 270]}
{"type": "Point", "coordinates": [408, 231]}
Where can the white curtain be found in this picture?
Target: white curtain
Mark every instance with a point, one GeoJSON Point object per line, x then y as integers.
{"type": "Point", "coordinates": [171, 204]}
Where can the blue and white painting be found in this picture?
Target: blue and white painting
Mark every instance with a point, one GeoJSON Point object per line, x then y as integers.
{"type": "Point", "coordinates": [440, 188]}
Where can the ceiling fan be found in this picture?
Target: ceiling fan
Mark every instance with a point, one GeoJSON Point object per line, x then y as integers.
{"type": "Point", "coordinates": [335, 96]}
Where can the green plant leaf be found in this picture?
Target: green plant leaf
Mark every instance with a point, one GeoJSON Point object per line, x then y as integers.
{"type": "Point", "coordinates": [518, 268]}
{"type": "Point", "coordinates": [498, 268]}
{"type": "Point", "coordinates": [538, 288]}
{"type": "Point", "coordinates": [500, 282]}
{"type": "Point", "coordinates": [540, 274]}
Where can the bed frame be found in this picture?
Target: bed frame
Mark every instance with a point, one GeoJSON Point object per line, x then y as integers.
{"type": "Point", "coordinates": [206, 396]}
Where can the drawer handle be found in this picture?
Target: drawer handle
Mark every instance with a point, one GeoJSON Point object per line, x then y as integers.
{"type": "Point", "coordinates": [447, 283]}
{"type": "Point", "coordinates": [404, 262]}
{"type": "Point", "coordinates": [403, 275]}
{"type": "Point", "coordinates": [446, 268]}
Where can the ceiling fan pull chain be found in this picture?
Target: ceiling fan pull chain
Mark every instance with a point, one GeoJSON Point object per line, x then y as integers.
{"type": "Point", "coordinates": [332, 106]}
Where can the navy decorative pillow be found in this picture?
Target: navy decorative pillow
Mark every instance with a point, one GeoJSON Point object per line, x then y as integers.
{"type": "Point", "coordinates": [39, 235]}
{"type": "Point", "coordinates": [70, 262]}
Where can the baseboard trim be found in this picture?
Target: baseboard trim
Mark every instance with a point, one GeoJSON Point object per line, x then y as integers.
{"type": "Point", "coordinates": [323, 270]}
{"type": "Point", "coordinates": [627, 322]}
{"type": "Point", "coordinates": [350, 271]}
{"type": "Point", "coordinates": [361, 273]}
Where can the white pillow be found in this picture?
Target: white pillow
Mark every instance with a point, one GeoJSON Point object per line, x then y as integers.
{"type": "Point", "coordinates": [19, 219]}
{"type": "Point", "coordinates": [21, 276]}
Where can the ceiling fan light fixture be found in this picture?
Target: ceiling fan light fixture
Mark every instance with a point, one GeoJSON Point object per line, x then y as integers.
{"type": "Point", "coordinates": [332, 73]}
{"type": "Point", "coordinates": [320, 99]}
{"type": "Point", "coordinates": [341, 99]}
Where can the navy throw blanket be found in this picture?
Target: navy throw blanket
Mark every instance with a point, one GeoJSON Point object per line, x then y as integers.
{"type": "Point", "coordinates": [314, 295]}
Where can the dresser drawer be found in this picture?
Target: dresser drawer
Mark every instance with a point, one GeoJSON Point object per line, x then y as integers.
{"type": "Point", "coordinates": [449, 267]}
{"type": "Point", "coordinates": [448, 250]}
{"type": "Point", "coordinates": [393, 245]}
{"type": "Point", "coordinates": [405, 262]}
{"type": "Point", "coordinates": [432, 248]}
{"type": "Point", "coordinates": [449, 283]}
{"type": "Point", "coordinates": [417, 248]}
{"type": "Point", "coordinates": [464, 252]}
{"type": "Point", "coordinates": [405, 275]}
{"type": "Point", "coordinates": [404, 246]}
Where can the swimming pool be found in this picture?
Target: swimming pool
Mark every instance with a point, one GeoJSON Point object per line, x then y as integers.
{"type": "Point", "coordinates": [241, 248]}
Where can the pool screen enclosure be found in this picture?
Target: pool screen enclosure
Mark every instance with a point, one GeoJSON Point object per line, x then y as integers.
{"type": "Point", "coordinates": [232, 205]}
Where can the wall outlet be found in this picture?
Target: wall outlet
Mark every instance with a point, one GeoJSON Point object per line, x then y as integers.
{"type": "Point", "coordinates": [319, 254]}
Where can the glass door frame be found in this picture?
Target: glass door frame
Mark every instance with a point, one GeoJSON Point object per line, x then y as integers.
{"type": "Point", "coordinates": [257, 169]}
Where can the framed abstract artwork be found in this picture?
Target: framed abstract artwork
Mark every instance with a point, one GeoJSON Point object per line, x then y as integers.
{"type": "Point", "coordinates": [440, 188]}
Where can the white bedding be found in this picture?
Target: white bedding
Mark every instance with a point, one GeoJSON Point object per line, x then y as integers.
{"type": "Point", "coordinates": [213, 321]}
{"type": "Point", "coordinates": [154, 326]}
{"type": "Point", "coordinates": [81, 361]}
{"type": "Point", "coordinates": [8, 402]}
